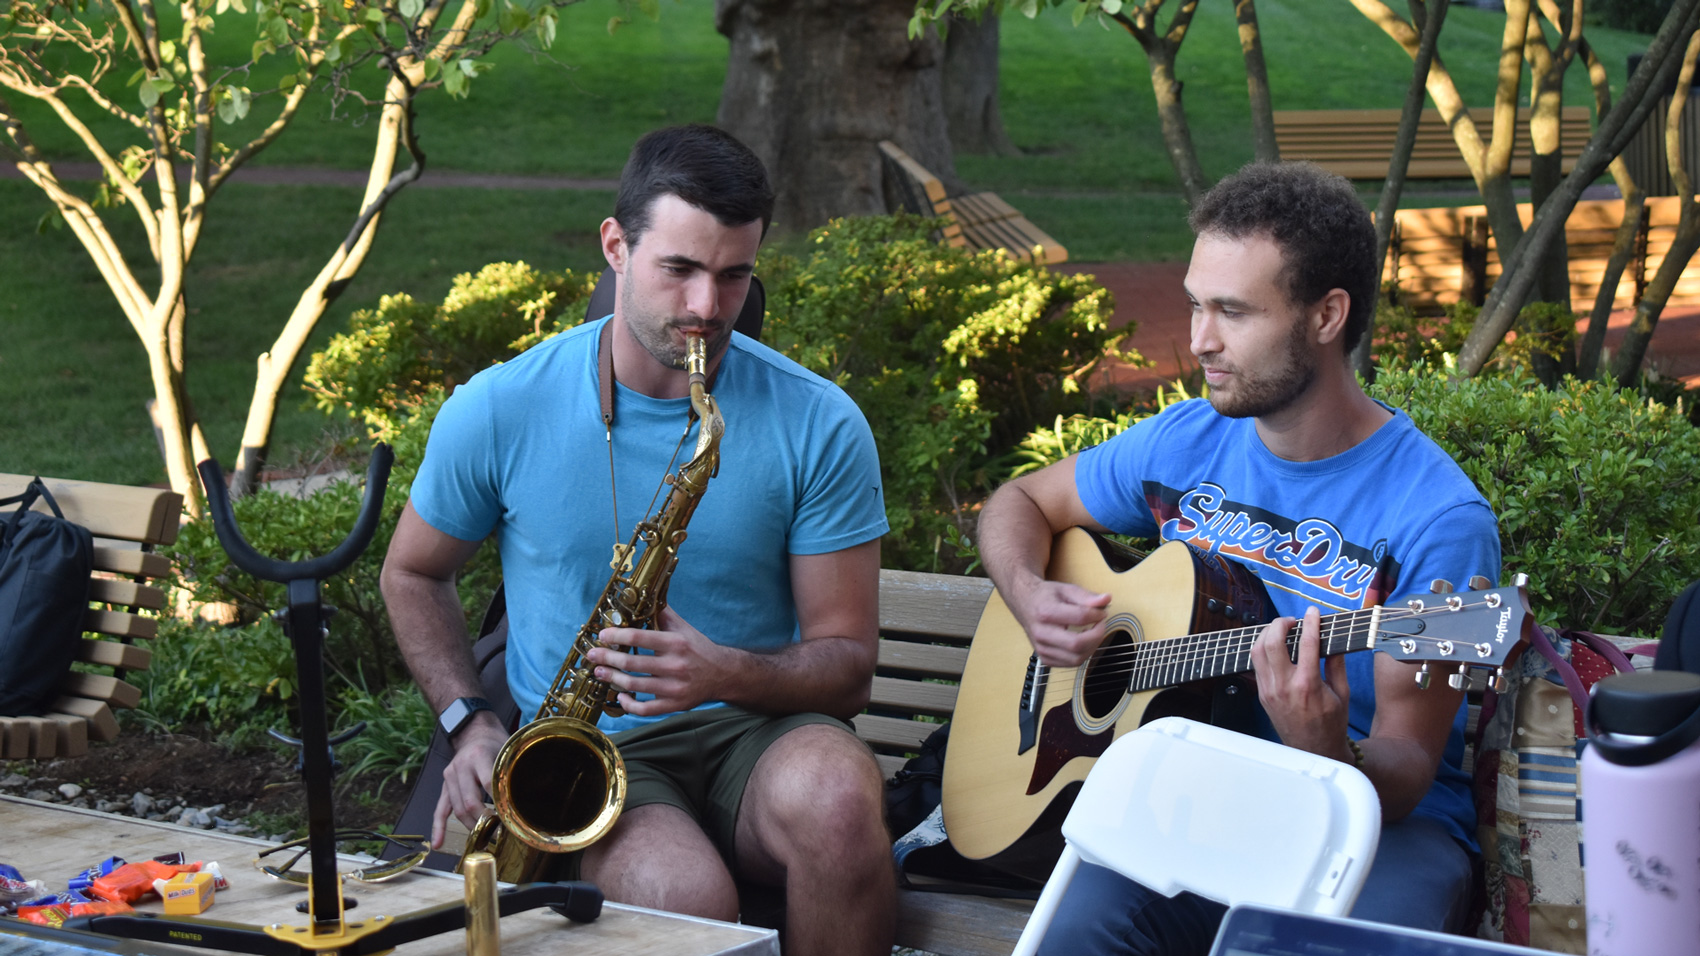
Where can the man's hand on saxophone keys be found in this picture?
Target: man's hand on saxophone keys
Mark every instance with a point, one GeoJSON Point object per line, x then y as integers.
{"type": "Point", "coordinates": [467, 776]}
{"type": "Point", "coordinates": [686, 668]}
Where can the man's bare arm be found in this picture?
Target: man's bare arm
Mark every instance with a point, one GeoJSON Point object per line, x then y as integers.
{"type": "Point", "coordinates": [829, 671]}
{"type": "Point", "coordinates": [1063, 621]}
{"type": "Point", "coordinates": [419, 589]}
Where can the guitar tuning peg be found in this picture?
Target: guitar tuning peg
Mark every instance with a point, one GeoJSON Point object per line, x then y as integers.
{"type": "Point", "coordinates": [1520, 580]}
{"type": "Point", "coordinates": [1423, 676]}
{"type": "Point", "coordinates": [1440, 586]}
{"type": "Point", "coordinates": [1500, 684]}
{"type": "Point", "coordinates": [1479, 583]}
{"type": "Point", "coordinates": [1459, 680]}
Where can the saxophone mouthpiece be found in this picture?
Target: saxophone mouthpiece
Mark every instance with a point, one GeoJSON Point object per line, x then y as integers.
{"type": "Point", "coordinates": [696, 359]}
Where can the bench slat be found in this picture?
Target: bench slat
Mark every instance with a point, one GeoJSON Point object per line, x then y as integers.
{"type": "Point", "coordinates": [929, 659]}
{"type": "Point", "coordinates": [120, 624]}
{"type": "Point", "coordinates": [130, 561]}
{"type": "Point", "coordinates": [148, 515]}
{"type": "Point", "coordinates": [73, 735]}
{"type": "Point", "coordinates": [890, 732]}
{"type": "Point", "coordinates": [103, 726]}
{"type": "Point", "coordinates": [944, 605]}
{"type": "Point", "coordinates": [914, 697]}
{"type": "Point", "coordinates": [113, 654]}
{"type": "Point", "coordinates": [127, 593]}
{"type": "Point", "coordinates": [102, 687]}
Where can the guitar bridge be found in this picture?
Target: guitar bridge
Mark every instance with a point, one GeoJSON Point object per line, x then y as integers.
{"type": "Point", "coordinates": [1032, 693]}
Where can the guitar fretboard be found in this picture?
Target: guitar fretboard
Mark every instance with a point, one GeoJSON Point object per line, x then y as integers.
{"type": "Point", "coordinates": [1178, 660]}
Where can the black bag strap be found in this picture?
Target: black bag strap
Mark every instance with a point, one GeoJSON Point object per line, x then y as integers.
{"type": "Point", "coordinates": [37, 489]}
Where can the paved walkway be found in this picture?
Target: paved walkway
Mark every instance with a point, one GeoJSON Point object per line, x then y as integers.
{"type": "Point", "coordinates": [1151, 294]}
{"type": "Point", "coordinates": [1147, 293]}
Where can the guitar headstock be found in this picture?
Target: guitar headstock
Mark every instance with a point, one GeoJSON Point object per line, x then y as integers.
{"type": "Point", "coordinates": [1470, 630]}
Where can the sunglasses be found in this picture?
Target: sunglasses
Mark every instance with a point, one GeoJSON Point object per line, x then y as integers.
{"type": "Point", "coordinates": [375, 872]}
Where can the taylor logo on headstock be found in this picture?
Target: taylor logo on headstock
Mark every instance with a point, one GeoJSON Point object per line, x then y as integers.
{"type": "Point", "coordinates": [1025, 734]}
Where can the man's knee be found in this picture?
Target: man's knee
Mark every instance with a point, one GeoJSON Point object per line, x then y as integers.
{"type": "Point", "coordinates": [819, 787]}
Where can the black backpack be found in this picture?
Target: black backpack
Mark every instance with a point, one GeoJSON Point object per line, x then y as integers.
{"type": "Point", "coordinates": [1679, 650]}
{"type": "Point", "coordinates": [45, 563]}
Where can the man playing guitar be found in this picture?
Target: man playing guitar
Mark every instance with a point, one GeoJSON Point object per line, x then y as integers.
{"type": "Point", "coordinates": [1334, 500]}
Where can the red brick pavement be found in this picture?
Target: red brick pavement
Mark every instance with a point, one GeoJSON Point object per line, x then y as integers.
{"type": "Point", "coordinates": [1151, 295]}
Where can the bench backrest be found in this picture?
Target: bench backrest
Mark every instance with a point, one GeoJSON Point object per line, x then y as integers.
{"type": "Point", "coordinates": [1358, 144]}
{"type": "Point", "coordinates": [127, 523]}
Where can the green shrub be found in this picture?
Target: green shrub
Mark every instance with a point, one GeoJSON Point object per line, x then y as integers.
{"type": "Point", "coordinates": [242, 674]}
{"type": "Point", "coordinates": [953, 356]}
{"type": "Point", "coordinates": [1597, 490]}
{"type": "Point", "coordinates": [393, 356]}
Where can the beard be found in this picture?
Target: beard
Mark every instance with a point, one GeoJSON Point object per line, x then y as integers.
{"type": "Point", "coordinates": [1257, 394]}
{"type": "Point", "coordinates": [655, 332]}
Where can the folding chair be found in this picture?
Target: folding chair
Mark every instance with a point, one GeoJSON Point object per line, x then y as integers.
{"type": "Point", "coordinates": [1180, 805]}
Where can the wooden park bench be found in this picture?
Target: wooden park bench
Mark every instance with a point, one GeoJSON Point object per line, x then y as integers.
{"type": "Point", "coordinates": [1358, 144]}
{"type": "Point", "coordinates": [1446, 255]}
{"type": "Point", "coordinates": [926, 624]}
{"type": "Point", "coordinates": [971, 220]}
{"type": "Point", "coordinates": [127, 523]}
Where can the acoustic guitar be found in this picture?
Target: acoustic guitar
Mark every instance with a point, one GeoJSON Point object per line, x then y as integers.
{"type": "Point", "coordinates": [1025, 734]}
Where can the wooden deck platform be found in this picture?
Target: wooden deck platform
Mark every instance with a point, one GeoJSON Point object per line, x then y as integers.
{"type": "Point", "coordinates": [53, 843]}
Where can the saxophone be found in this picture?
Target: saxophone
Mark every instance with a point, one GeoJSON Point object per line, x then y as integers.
{"type": "Point", "coordinates": [559, 782]}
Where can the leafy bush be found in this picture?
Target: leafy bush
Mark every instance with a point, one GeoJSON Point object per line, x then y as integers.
{"type": "Point", "coordinates": [241, 674]}
{"type": "Point", "coordinates": [1596, 489]}
{"type": "Point", "coordinates": [952, 355]}
{"type": "Point", "coordinates": [393, 356]}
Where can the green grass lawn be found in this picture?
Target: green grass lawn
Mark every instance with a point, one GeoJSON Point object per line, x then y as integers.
{"type": "Point", "coordinates": [1076, 100]}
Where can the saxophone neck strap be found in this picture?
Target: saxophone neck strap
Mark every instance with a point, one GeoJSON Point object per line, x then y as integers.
{"type": "Point", "coordinates": [605, 374]}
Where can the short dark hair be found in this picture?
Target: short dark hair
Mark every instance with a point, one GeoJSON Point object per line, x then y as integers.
{"type": "Point", "coordinates": [1326, 237]}
{"type": "Point", "coordinates": [704, 166]}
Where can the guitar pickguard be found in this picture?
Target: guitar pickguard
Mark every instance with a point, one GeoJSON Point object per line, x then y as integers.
{"type": "Point", "coordinates": [1062, 740]}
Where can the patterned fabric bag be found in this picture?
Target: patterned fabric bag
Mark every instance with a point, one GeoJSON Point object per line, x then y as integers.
{"type": "Point", "coordinates": [1526, 790]}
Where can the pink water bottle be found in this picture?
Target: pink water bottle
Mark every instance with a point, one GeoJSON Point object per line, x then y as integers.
{"type": "Point", "coordinates": [1641, 815]}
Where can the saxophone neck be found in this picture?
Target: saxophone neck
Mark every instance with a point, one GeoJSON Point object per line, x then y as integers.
{"type": "Point", "coordinates": [702, 403]}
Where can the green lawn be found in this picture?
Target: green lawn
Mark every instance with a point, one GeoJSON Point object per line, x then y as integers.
{"type": "Point", "coordinates": [1077, 101]}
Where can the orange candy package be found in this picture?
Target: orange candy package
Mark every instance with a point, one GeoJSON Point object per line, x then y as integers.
{"type": "Point", "coordinates": [132, 881]}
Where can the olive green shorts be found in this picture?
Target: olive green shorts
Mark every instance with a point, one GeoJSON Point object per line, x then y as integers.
{"type": "Point", "coordinates": [700, 761]}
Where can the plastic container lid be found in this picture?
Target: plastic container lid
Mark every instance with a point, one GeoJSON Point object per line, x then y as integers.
{"type": "Point", "coordinates": [1641, 718]}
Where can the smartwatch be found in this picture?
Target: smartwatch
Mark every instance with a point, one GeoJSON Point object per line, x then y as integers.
{"type": "Point", "coordinates": [456, 715]}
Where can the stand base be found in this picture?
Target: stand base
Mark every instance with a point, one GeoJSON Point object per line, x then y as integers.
{"type": "Point", "coordinates": [579, 902]}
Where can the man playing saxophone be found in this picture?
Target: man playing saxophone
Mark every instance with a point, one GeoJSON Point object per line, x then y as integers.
{"type": "Point", "coordinates": [739, 759]}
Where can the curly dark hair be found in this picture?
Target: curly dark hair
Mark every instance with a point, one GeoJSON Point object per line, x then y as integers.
{"type": "Point", "coordinates": [705, 166]}
{"type": "Point", "coordinates": [1326, 237]}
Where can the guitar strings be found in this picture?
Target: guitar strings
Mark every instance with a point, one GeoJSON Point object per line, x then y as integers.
{"type": "Point", "coordinates": [1233, 646]}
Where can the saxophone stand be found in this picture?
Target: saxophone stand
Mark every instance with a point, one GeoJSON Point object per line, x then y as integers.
{"type": "Point", "coordinates": [328, 930]}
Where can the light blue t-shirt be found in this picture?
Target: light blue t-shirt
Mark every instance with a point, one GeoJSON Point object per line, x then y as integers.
{"type": "Point", "coordinates": [521, 451]}
{"type": "Point", "coordinates": [1372, 525]}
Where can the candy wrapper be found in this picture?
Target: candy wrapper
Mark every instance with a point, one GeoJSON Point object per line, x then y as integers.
{"type": "Point", "coordinates": [56, 914]}
{"type": "Point", "coordinates": [132, 881]}
{"type": "Point", "coordinates": [13, 891]}
{"type": "Point", "coordinates": [80, 882]}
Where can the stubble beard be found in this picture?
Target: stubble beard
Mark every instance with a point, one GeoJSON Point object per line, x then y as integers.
{"type": "Point", "coordinates": [1266, 393]}
{"type": "Point", "coordinates": [654, 332]}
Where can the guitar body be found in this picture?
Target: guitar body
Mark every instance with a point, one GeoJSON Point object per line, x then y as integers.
{"type": "Point", "coordinates": [1025, 735]}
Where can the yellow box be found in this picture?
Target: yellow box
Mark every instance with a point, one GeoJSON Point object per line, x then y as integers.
{"type": "Point", "coordinates": [188, 894]}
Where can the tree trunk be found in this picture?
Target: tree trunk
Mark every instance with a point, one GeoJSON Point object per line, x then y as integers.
{"type": "Point", "coordinates": [813, 86]}
{"type": "Point", "coordinates": [1177, 135]}
{"type": "Point", "coordinates": [1264, 147]}
{"type": "Point", "coordinates": [1399, 163]}
{"type": "Point", "coordinates": [1614, 131]}
{"type": "Point", "coordinates": [971, 87]}
{"type": "Point", "coordinates": [1633, 350]}
{"type": "Point", "coordinates": [1628, 232]}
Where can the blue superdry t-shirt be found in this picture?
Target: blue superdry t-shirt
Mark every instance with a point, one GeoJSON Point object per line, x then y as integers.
{"type": "Point", "coordinates": [1372, 525]}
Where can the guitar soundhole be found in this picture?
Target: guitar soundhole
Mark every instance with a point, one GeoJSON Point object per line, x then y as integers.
{"type": "Point", "coordinates": [1107, 675]}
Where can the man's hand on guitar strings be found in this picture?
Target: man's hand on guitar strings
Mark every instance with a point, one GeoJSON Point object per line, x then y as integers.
{"type": "Point", "coordinates": [1308, 712]}
{"type": "Point", "coordinates": [1064, 622]}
